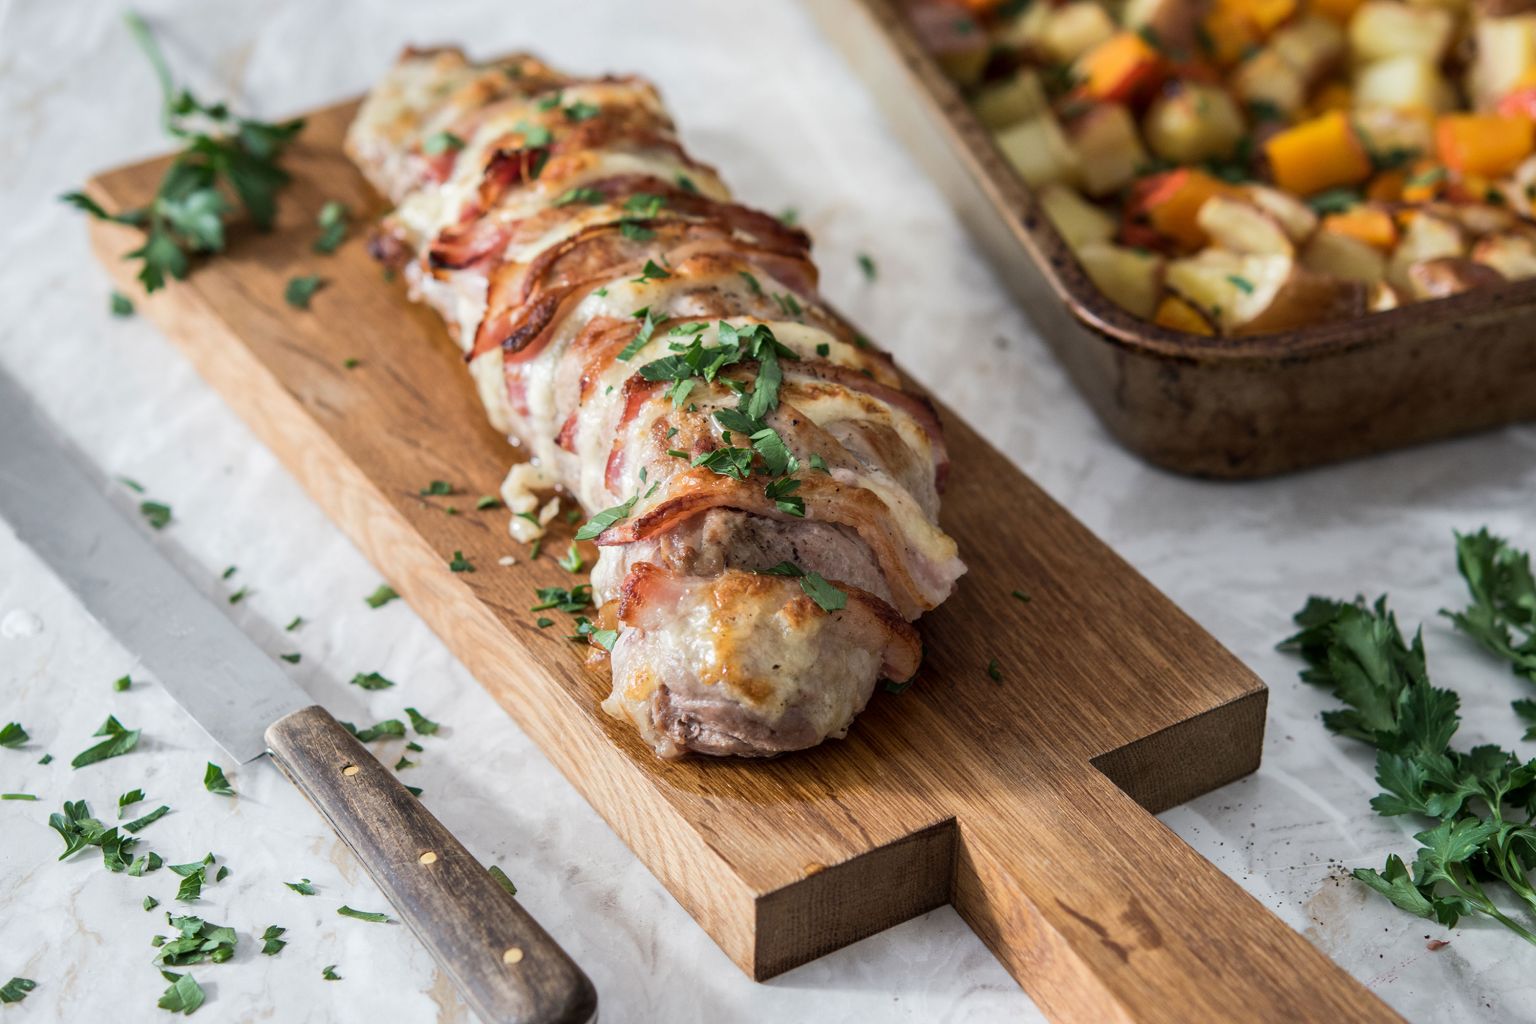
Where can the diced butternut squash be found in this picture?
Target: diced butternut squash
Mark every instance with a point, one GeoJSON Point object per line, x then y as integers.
{"type": "Point", "coordinates": [1076, 219]}
{"type": "Point", "coordinates": [1194, 122]}
{"type": "Point", "coordinates": [1121, 69]}
{"type": "Point", "coordinates": [1075, 28]}
{"type": "Point", "coordinates": [1130, 278]}
{"type": "Point", "coordinates": [1039, 151]}
{"type": "Point", "coordinates": [1268, 15]}
{"type": "Point", "coordinates": [1485, 145]}
{"type": "Point", "coordinates": [1176, 314]}
{"type": "Point", "coordinates": [1011, 100]}
{"type": "Point", "coordinates": [1318, 154]}
{"type": "Point", "coordinates": [1109, 150]}
{"type": "Point", "coordinates": [1241, 226]}
{"type": "Point", "coordinates": [1386, 28]}
{"type": "Point", "coordinates": [1169, 203]}
{"type": "Point", "coordinates": [1227, 34]}
{"type": "Point", "coordinates": [1333, 96]}
{"type": "Point", "coordinates": [1371, 225]}
{"type": "Point", "coordinates": [1387, 187]}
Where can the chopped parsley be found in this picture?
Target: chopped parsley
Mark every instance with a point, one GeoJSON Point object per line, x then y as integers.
{"type": "Point", "coordinates": [332, 222]}
{"type": "Point", "coordinates": [502, 880]}
{"type": "Point", "coordinates": [867, 264]}
{"type": "Point", "coordinates": [1021, 596]}
{"type": "Point", "coordinates": [436, 487]}
{"type": "Point", "coordinates": [388, 727]}
{"type": "Point", "coordinates": [293, 659]}
{"type": "Point", "coordinates": [298, 620]}
{"type": "Point", "coordinates": [993, 672]}
{"type": "Point", "coordinates": [686, 184]}
{"type": "Point", "coordinates": [128, 799]}
{"type": "Point", "coordinates": [272, 942]}
{"type": "Point", "coordinates": [215, 782]}
{"type": "Point", "coordinates": [588, 196]}
{"type": "Point", "coordinates": [18, 796]}
{"type": "Point", "coordinates": [301, 289]}
{"type": "Point", "coordinates": [155, 513]}
{"type": "Point", "coordinates": [13, 735]}
{"type": "Point", "coordinates": [122, 305]}
{"type": "Point", "coordinates": [606, 518]}
{"type": "Point", "coordinates": [560, 599]}
{"type": "Point", "coordinates": [404, 763]}
{"type": "Point", "coordinates": [652, 272]}
{"type": "Point", "coordinates": [184, 996]}
{"type": "Point", "coordinates": [239, 595]}
{"type": "Point", "coordinates": [15, 990]}
{"type": "Point", "coordinates": [119, 741]}
{"type": "Point", "coordinates": [199, 942]}
{"type": "Point", "coordinates": [372, 681]}
{"type": "Point", "coordinates": [362, 915]}
{"type": "Point", "coordinates": [486, 501]}
{"type": "Point", "coordinates": [581, 111]}
{"type": "Point", "coordinates": [329, 973]}
{"type": "Point", "coordinates": [459, 563]}
{"type": "Point", "coordinates": [150, 903]}
{"type": "Point", "coordinates": [827, 597]}
{"type": "Point", "coordinates": [1241, 283]}
{"type": "Point", "coordinates": [423, 725]}
{"type": "Point", "coordinates": [138, 825]}
{"type": "Point", "coordinates": [381, 596]}
{"type": "Point", "coordinates": [643, 336]}
{"type": "Point", "coordinates": [439, 143]}
{"type": "Point", "coordinates": [572, 562]}
{"type": "Point", "coordinates": [303, 887]}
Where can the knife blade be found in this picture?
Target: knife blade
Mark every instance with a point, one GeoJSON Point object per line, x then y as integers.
{"type": "Point", "coordinates": [506, 966]}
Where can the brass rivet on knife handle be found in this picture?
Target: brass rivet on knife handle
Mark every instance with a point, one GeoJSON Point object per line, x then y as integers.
{"type": "Point", "coordinates": [473, 928]}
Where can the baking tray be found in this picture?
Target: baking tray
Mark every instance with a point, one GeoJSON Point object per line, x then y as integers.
{"type": "Point", "coordinates": [1214, 407]}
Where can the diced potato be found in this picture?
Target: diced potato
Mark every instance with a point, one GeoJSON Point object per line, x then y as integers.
{"type": "Point", "coordinates": [1075, 28]}
{"type": "Point", "coordinates": [1482, 219]}
{"type": "Point", "coordinates": [1452, 275]}
{"type": "Point", "coordinates": [1394, 135]}
{"type": "Point", "coordinates": [1027, 28]}
{"type": "Point", "coordinates": [1174, 22]}
{"type": "Point", "coordinates": [1120, 69]}
{"type": "Point", "coordinates": [1131, 279]}
{"type": "Point", "coordinates": [1311, 44]}
{"type": "Point", "coordinates": [1484, 145]}
{"type": "Point", "coordinates": [1506, 52]}
{"type": "Point", "coordinates": [1039, 151]}
{"type": "Point", "coordinates": [1076, 219]}
{"type": "Point", "coordinates": [1386, 28]}
{"type": "Point", "coordinates": [1176, 314]}
{"type": "Point", "coordinates": [1012, 100]}
{"type": "Point", "coordinates": [1169, 203]}
{"type": "Point", "coordinates": [1344, 257]}
{"type": "Point", "coordinates": [1269, 78]}
{"type": "Point", "coordinates": [1381, 298]}
{"type": "Point", "coordinates": [1321, 153]}
{"type": "Point", "coordinates": [1295, 216]}
{"type": "Point", "coordinates": [1425, 237]}
{"type": "Point", "coordinates": [1512, 255]}
{"type": "Point", "coordinates": [1109, 151]}
{"type": "Point", "coordinates": [1194, 122]}
{"type": "Point", "coordinates": [953, 36]}
{"type": "Point", "coordinates": [1262, 294]}
{"type": "Point", "coordinates": [1407, 80]}
{"type": "Point", "coordinates": [1242, 226]}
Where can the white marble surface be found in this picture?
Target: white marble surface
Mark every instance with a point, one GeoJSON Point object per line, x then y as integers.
{"type": "Point", "coordinates": [757, 92]}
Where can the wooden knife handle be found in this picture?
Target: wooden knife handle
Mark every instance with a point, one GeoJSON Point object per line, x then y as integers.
{"type": "Point", "coordinates": [505, 965]}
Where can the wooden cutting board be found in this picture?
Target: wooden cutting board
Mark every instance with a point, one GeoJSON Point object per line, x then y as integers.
{"type": "Point", "coordinates": [1025, 801]}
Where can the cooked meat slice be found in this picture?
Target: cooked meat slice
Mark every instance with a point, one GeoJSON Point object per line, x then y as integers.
{"type": "Point", "coordinates": [771, 489]}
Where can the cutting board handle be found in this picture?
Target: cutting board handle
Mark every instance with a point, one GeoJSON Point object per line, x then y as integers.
{"type": "Point", "coordinates": [1105, 915]}
{"type": "Point", "coordinates": [505, 965]}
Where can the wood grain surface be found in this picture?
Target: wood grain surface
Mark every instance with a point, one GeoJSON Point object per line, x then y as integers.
{"type": "Point", "coordinates": [1024, 800]}
{"type": "Point", "coordinates": [503, 962]}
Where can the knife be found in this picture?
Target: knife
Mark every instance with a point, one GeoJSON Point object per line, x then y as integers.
{"type": "Point", "coordinates": [505, 965]}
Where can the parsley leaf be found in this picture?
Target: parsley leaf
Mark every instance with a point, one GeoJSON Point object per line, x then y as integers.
{"type": "Point", "coordinates": [301, 289]}
{"type": "Point", "coordinates": [272, 942]}
{"type": "Point", "coordinates": [589, 196]}
{"type": "Point", "coordinates": [570, 601]}
{"type": "Point", "coordinates": [388, 727]}
{"type": "Point", "coordinates": [155, 514]}
{"type": "Point", "coordinates": [302, 887]}
{"type": "Point", "coordinates": [606, 518]}
{"type": "Point", "coordinates": [381, 596]}
{"type": "Point", "coordinates": [332, 222]}
{"type": "Point", "coordinates": [15, 990]}
{"type": "Point", "coordinates": [439, 143]}
{"type": "Point", "coordinates": [199, 942]}
{"type": "Point", "coordinates": [502, 880]}
{"type": "Point", "coordinates": [141, 823]}
{"type": "Point", "coordinates": [184, 996]}
{"type": "Point", "coordinates": [119, 741]}
{"type": "Point", "coordinates": [1502, 615]}
{"type": "Point", "coordinates": [867, 264]}
{"type": "Point", "coordinates": [215, 782]}
{"type": "Point", "coordinates": [122, 305]}
{"type": "Point", "coordinates": [128, 799]}
{"type": "Point", "coordinates": [460, 564]}
{"type": "Point", "coordinates": [423, 725]}
{"type": "Point", "coordinates": [329, 973]}
{"type": "Point", "coordinates": [436, 487]}
{"type": "Point", "coordinates": [827, 597]}
{"type": "Point", "coordinates": [13, 735]}
{"type": "Point", "coordinates": [372, 681]}
{"type": "Point", "coordinates": [362, 915]}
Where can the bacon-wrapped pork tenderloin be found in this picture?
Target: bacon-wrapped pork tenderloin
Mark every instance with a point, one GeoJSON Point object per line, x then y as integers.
{"type": "Point", "coordinates": [763, 492]}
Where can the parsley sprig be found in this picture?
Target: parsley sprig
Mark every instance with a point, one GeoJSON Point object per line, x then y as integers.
{"type": "Point", "coordinates": [222, 154]}
{"type": "Point", "coordinates": [1482, 801]}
